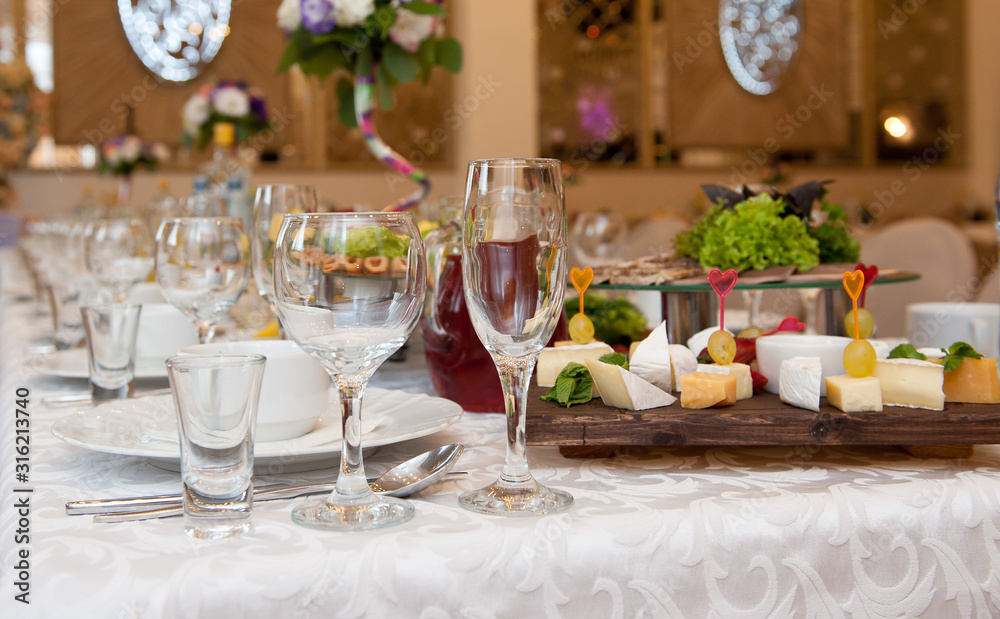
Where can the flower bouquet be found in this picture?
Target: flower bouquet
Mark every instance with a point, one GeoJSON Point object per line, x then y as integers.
{"type": "Point", "coordinates": [377, 44]}
{"type": "Point", "coordinates": [231, 102]}
{"type": "Point", "coordinates": [20, 117]}
{"type": "Point", "coordinates": [124, 154]}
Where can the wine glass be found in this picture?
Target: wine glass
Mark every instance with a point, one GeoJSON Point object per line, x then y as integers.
{"type": "Point", "coordinates": [202, 267]}
{"type": "Point", "coordinates": [514, 271]}
{"type": "Point", "coordinates": [271, 203]}
{"type": "Point", "coordinates": [599, 238]}
{"type": "Point", "coordinates": [119, 252]}
{"type": "Point", "coordinates": [349, 288]}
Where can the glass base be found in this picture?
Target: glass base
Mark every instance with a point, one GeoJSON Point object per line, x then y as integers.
{"type": "Point", "coordinates": [374, 513]}
{"type": "Point", "coordinates": [212, 518]}
{"type": "Point", "coordinates": [528, 498]}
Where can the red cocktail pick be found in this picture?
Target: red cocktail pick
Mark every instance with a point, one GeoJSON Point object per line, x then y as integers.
{"type": "Point", "coordinates": [871, 274]}
{"type": "Point", "coordinates": [722, 284]}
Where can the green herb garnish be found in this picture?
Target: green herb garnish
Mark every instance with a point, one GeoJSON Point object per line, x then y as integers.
{"type": "Point", "coordinates": [615, 358]}
{"type": "Point", "coordinates": [957, 353]}
{"type": "Point", "coordinates": [366, 242]}
{"type": "Point", "coordinates": [574, 385]}
{"type": "Point", "coordinates": [906, 351]}
{"type": "Point", "coordinates": [835, 243]}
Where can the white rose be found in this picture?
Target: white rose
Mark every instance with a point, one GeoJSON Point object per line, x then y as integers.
{"type": "Point", "coordinates": [197, 109]}
{"type": "Point", "coordinates": [230, 101]}
{"type": "Point", "coordinates": [411, 29]}
{"type": "Point", "coordinates": [131, 148]}
{"type": "Point", "coordinates": [289, 15]}
{"type": "Point", "coordinates": [349, 13]}
{"type": "Point", "coordinates": [160, 152]}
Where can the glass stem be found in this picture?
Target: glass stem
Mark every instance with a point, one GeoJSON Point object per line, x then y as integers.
{"type": "Point", "coordinates": [515, 376]}
{"type": "Point", "coordinates": [206, 331]}
{"type": "Point", "coordinates": [351, 484]}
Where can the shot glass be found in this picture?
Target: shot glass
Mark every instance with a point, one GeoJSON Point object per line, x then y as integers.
{"type": "Point", "coordinates": [65, 298]}
{"type": "Point", "coordinates": [111, 331]}
{"type": "Point", "coordinates": [216, 398]}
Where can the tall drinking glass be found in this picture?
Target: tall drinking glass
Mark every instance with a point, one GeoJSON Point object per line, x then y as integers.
{"type": "Point", "coordinates": [202, 267]}
{"type": "Point", "coordinates": [349, 288]}
{"type": "Point", "coordinates": [514, 271]}
{"type": "Point", "coordinates": [270, 205]}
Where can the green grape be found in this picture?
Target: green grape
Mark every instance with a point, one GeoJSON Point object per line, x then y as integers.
{"type": "Point", "coordinates": [722, 347]}
{"type": "Point", "coordinates": [859, 358]}
{"type": "Point", "coordinates": [581, 329]}
{"type": "Point", "coordinates": [751, 333]}
{"type": "Point", "coordinates": [866, 323]}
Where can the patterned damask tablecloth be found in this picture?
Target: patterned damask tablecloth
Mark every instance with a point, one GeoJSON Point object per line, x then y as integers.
{"type": "Point", "coordinates": [691, 532]}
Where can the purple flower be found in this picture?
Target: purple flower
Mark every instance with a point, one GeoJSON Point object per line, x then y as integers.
{"type": "Point", "coordinates": [258, 107]}
{"type": "Point", "coordinates": [318, 16]}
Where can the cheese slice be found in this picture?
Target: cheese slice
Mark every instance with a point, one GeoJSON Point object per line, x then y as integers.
{"type": "Point", "coordinates": [799, 382]}
{"type": "Point", "coordinates": [854, 395]}
{"type": "Point", "coordinates": [651, 361]}
{"type": "Point", "coordinates": [975, 381]}
{"type": "Point", "coordinates": [551, 361]}
{"type": "Point", "coordinates": [682, 361]}
{"type": "Point", "coordinates": [622, 389]}
{"type": "Point", "coordinates": [911, 382]}
{"type": "Point", "coordinates": [704, 390]}
{"type": "Point", "coordinates": [744, 382]}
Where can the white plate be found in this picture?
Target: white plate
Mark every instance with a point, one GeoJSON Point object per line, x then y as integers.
{"type": "Point", "coordinates": [73, 363]}
{"type": "Point", "coordinates": [136, 427]}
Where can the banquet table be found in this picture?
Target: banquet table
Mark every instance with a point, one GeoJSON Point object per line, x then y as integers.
{"type": "Point", "coordinates": [653, 532]}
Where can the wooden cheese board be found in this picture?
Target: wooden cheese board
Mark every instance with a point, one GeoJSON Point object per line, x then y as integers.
{"type": "Point", "coordinates": [761, 420]}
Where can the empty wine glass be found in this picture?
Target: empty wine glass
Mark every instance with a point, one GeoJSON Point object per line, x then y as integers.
{"type": "Point", "coordinates": [271, 203]}
{"type": "Point", "coordinates": [349, 288]}
{"type": "Point", "coordinates": [599, 237]}
{"type": "Point", "coordinates": [202, 267]}
{"type": "Point", "coordinates": [119, 252]}
{"type": "Point", "coordinates": [514, 271]}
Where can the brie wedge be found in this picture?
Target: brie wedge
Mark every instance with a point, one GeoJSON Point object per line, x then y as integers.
{"type": "Point", "coordinates": [622, 389]}
{"type": "Point", "coordinates": [799, 382]}
{"type": "Point", "coordinates": [551, 361]}
{"type": "Point", "coordinates": [651, 360]}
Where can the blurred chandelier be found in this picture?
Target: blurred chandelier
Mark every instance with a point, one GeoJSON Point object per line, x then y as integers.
{"type": "Point", "coordinates": [175, 39]}
{"type": "Point", "coordinates": [760, 40]}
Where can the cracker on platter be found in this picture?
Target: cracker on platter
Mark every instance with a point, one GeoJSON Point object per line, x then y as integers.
{"type": "Point", "coordinates": [647, 271]}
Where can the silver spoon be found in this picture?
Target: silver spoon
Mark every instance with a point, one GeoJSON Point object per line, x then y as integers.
{"type": "Point", "coordinates": [403, 480]}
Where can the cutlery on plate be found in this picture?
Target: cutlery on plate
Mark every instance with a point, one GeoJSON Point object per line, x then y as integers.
{"type": "Point", "coordinates": [81, 398]}
{"type": "Point", "coordinates": [405, 479]}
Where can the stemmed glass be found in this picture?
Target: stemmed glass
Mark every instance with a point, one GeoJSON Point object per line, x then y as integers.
{"type": "Point", "coordinates": [119, 252]}
{"type": "Point", "coordinates": [349, 288]}
{"type": "Point", "coordinates": [271, 203]}
{"type": "Point", "coordinates": [514, 271]}
{"type": "Point", "coordinates": [202, 267]}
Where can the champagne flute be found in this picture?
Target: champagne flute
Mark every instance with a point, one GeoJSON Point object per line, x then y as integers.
{"type": "Point", "coordinates": [119, 252]}
{"type": "Point", "coordinates": [271, 203]}
{"type": "Point", "coordinates": [514, 271]}
{"type": "Point", "coordinates": [349, 288]}
{"type": "Point", "coordinates": [202, 267]}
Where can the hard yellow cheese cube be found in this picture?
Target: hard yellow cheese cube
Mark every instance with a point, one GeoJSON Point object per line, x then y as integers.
{"type": "Point", "coordinates": [703, 390]}
{"type": "Point", "coordinates": [744, 382]}
{"type": "Point", "coordinates": [975, 381]}
{"type": "Point", "coordinates": [854, 395]}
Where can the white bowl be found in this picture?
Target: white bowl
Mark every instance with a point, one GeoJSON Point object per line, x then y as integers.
{"type": "Point", "coordinates": [773, 349]}
{"type": "Point", "coordinates": [163, 330]}
{"type": "Point", "coordinates": [294, 392]}
{"type": "Point", "coordinates": [145, 293]}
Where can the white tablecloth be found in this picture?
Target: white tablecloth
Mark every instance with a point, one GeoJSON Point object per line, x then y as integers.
{"type": "Point", "coordinates": [690, 532]}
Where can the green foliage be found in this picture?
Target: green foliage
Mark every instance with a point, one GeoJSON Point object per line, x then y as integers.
{"type": "Point", "coordinates": [616, 321]}
{"type": "Point", "coordinates": [574, 385]}
{"type": "Point", "coordinates": [957, 353]}
{"type": "Point", "coordinates": [906, 351]}
{"type": "Point", "coordinates": [835, 243]}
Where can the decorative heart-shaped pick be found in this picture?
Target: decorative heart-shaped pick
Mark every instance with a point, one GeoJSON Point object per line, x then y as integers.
{"type": "Point", "coordinates": [871, 274]}
{"type": "Point", "coordinates": [581, 279]}
{"type": "Point", "coordinates": [722, 283]}
{"type": "Point", "coordinates": [854, 283]}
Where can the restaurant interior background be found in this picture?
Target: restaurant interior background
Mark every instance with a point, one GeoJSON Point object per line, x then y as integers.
{"type": "Point", "coordinates": [635, 95]}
